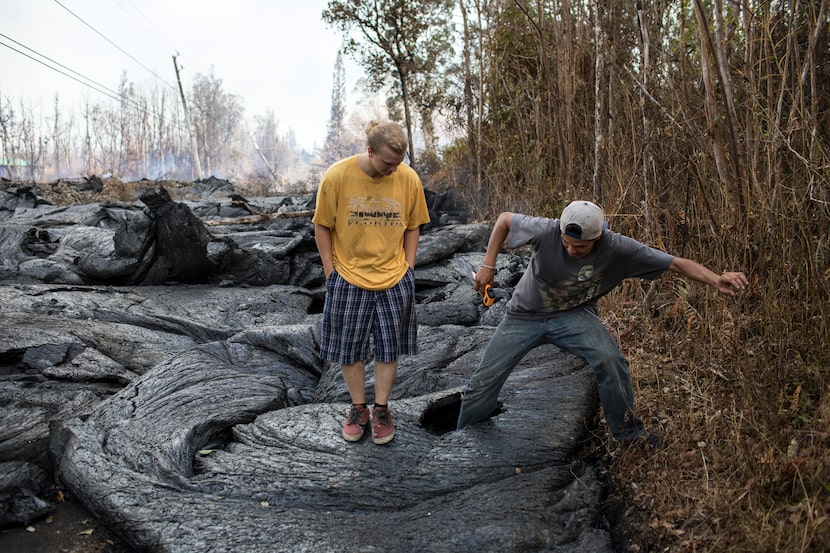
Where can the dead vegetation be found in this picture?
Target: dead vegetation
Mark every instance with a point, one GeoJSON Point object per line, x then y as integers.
{"type": "Point", "coordinates": [744, 464]}
{"type": "Point", "coordinates": [94, 189]}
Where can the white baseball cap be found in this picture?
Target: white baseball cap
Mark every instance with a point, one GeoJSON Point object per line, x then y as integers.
{"type": "Point", "coordinates": [582, 220]}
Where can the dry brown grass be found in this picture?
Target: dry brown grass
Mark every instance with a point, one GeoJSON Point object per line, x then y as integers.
{"type": "Point", "coordinates": [74, 192]}
{"type": "Point", "coordinates": [744, 464]}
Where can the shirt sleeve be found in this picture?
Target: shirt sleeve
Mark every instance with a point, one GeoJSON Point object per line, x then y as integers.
{"type": "Point", "coordinates": [639, 260]}
{"type": "Point", "coordinates": [419, 214]}
{"type": "Point", "coordinates": [325, 205]}
{"type": "Point", "coordinates": [525, 229]}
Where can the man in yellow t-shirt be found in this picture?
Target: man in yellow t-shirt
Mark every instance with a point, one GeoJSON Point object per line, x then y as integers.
{"type": "Point", "coordinates": [366, 225]}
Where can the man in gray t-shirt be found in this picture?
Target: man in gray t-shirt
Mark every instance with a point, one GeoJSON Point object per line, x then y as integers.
{"type": "Point", "coordinates": [576, 260]}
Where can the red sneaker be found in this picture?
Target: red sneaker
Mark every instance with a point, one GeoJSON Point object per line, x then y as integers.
{"type": "Point", "coordinates": [356, 421]}
{"type": "Point", "coordinates": [383, 427]}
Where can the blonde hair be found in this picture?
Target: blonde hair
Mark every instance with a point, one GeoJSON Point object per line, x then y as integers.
{"type": "Point", "coordinates": [386, 133]}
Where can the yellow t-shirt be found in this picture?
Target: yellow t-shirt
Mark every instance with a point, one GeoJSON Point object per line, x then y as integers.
{"type": "Point", "coordinates": [367, 218]}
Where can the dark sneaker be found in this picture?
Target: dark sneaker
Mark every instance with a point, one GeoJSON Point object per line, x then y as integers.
{"type": "Point", "coordinates": [383, 428]}
{"type": "Point", "coordinates": [356, 420]}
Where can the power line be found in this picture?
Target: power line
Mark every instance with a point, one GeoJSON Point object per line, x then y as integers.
{"type": "Point", "coordinates": [75, 76]}
{"type": "Point", "coordinates": [96, 31]}
{"type": "Point", "coordinates": [153, 32]}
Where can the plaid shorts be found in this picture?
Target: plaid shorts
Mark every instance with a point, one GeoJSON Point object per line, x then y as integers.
{"type": "Point", "coordinates": [352, 315]}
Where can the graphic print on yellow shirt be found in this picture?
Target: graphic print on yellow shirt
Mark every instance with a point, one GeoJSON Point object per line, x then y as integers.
{"type": "Point", "coordinates": [385, 212]}
{"type": "Point", "coordinates": [372, 256]}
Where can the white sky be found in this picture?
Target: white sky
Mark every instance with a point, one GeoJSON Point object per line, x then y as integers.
{"type": "Point", "coordinates": [275, 54]}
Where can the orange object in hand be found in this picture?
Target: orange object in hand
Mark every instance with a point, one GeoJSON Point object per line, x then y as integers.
{"type": "Point", "coordinates": [487, 298]}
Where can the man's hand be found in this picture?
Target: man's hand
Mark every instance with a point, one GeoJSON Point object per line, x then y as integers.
{"type": "Point", "coordinates": [729, 283]}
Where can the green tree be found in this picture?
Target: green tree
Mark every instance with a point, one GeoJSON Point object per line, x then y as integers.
{"type": "Point", "coordinates": [405, 39]}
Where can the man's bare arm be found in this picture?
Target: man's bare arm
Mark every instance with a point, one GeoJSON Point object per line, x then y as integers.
{"type": "Point", "coordinates": [727, 283]}
{"type": "Point", "coordinates": [498, 235]}
{"type": "Point", "coordinates": [322, 236]}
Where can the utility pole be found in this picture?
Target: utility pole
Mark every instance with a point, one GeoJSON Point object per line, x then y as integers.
{"type": "Point", "coordinates": [193, 146]}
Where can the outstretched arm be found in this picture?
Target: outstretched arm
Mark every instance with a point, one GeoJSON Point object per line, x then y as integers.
{"type": "Point", "coordinates": [727, 283]}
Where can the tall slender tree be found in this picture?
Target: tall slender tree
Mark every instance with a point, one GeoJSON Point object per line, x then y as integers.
{"type": "Point", "coordinates": [339, 141]}
{"type": "Point", "coordinates": [218, 119]}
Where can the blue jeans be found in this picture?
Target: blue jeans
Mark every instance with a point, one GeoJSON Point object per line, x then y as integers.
{"type": "Point", "coordinates": [579, 332]}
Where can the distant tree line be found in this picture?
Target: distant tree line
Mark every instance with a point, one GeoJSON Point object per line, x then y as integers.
{"type": "Point", "coordinates": [145, 134]}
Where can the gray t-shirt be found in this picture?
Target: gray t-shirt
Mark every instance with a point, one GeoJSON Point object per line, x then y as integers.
{"type": "Point", "coordinates": [554, 282]}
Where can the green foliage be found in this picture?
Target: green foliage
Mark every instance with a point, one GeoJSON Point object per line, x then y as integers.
{"type": "Point", "coordinates": [407, 40]}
